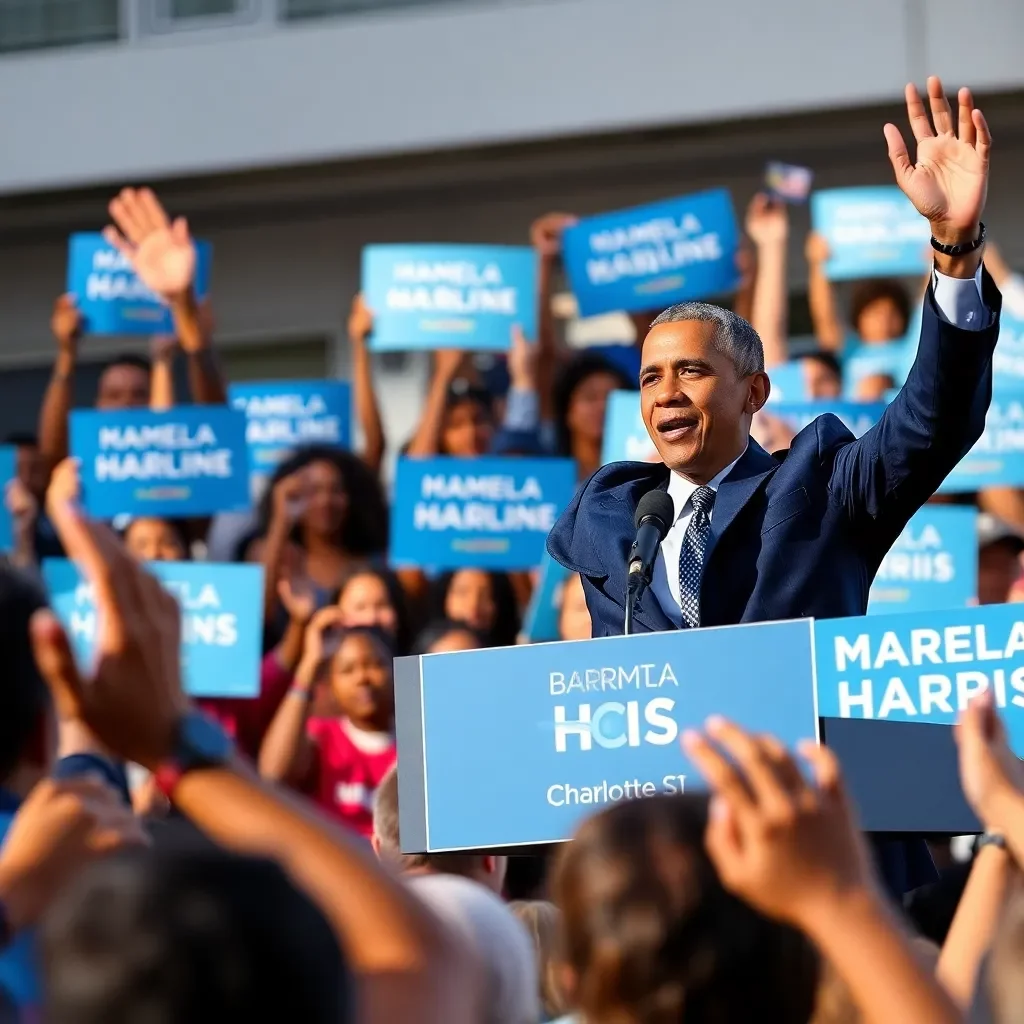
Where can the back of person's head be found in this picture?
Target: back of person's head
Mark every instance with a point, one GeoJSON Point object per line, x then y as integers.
{"type": "Point", "coordinates": [190, 937]}
{"type": "Point", "coordinates": [24, 699]}
{"type": "Point", "coordinates": [543, 924]}
{"type": "Point", "coordinates": [1003, 981]}
{"type": "Point", "coordinates": [387, 843]}
{"type": "Point", "coordinates": [650, 934]}
{"type": "Point", "coordinates": [486, 926]}
{"type": "Point", "coordinates": [442, 636]}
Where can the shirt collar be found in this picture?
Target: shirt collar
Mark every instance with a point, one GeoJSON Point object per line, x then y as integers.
{"type": "Point", "coordinates": [680, 489]}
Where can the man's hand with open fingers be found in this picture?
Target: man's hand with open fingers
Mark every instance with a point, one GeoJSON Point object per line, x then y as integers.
{"type": "Point", "coordinates": [133, 698]}
{"type": "Point", "coordinates": [949, 182]}
{"type": "Point", "coordinates": [790, 849]}
{"type": "Point", "coordinates": [60, 827]}
{"type": "Point", "coordinates": [161, 251]}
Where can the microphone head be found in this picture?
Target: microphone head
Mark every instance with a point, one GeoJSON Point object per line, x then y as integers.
{"type": "Point", "coordinates": [655, 507]}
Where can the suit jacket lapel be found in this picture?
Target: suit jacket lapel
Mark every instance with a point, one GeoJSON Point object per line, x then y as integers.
{"type": "Point", "coordinates": [739, 486]}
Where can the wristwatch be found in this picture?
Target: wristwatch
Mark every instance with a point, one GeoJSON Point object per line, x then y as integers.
{"type": "Point", "coordinates": [199, 742]}
{"type": "Point", "coordinates": [990, 839]}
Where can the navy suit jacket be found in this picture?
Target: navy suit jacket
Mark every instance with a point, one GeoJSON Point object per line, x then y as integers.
{"type": "Point", "coordinates": [801, 532]}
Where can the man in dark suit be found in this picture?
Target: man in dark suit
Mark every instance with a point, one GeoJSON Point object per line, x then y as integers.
{"type": "Point", "coordinates": [759, 537]}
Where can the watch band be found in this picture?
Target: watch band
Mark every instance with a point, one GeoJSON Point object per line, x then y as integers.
{"type": "Point", "coordinates": [996, 839]}
{"type": "Point", "coordinates": [962, 248]}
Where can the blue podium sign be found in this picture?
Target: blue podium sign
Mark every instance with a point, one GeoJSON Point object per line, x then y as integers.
{"type": "Point", "coordinates": [109, 294]}
{"type": "Point", "coordinates": [221, 620]}
{"type": "Point", "coordinates": [857, 417]}
{"type": "Point", "coordinates": [449, 296]}
{"type": "Point", "coordinates": [282, 415]}
{"type": "Point", "coordinates": [932, 565]}
{"type": "Point", "coordinates": [625, 434]}
{"type": "Point", "coordinates": [190, 461]}
{"type": "Point", "coordinates": [514, 746]}
{"type": "Point", "coordinates": [997, 460]}
{"type": "Point", "coordinates": [871, 232]}
{"type": "Point", "coordinates": [649, 257]}
{"type": "Point", "coordinates": [491, 513]}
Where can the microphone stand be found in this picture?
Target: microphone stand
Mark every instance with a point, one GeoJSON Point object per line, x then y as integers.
{"type": "Point", "coordinates": [634, 588]}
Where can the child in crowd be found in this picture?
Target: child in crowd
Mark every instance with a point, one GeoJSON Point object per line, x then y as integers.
{"type": "Point", "coordinates": [443, 636]}
{"type": "Point", "coordinates": [338, 761]}
{"type": "Point", "coordinates": [374, 598]}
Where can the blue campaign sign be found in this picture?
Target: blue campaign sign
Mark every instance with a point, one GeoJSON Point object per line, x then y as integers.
{"type": "Point", "coordinates": [871, 232]}
{"type": "Point", "coordinates": [449, 296]}
{"type": "Point", "coordinates": [923, 667]}
{"type": "Point", "coordinates": [190, 461]}
{"type": "Point", "coordinates": [513, 746]}
{"type": "Point", "coordinates": [540, 623]}
{"type": "Point", "coordinates": [221, 620]}
{"type": "Point", "coordinates": [789, 383]}
{"type": "Point", "coordinates": [649, 257]}
{"type": "Point", "coordinates": [1008, 358]}
{"type": "Point", "coordinates": [282, 415]}
{"type": "Point", "coordinates": [625, 435]}
{"type": "Point", "coordinates": [8, 470]}
{"type": "Point", "coordinates": [109, 295]}
{"type": "Point", "coordinates": [997, 460]}
{"type": "Point", "coordinates": [490, 513]}
{"type": "Point", "coordinates": [858, 417]}
{"type": "Point", "coordinates": [933, 564]}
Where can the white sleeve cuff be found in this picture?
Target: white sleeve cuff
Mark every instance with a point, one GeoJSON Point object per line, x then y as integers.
{"type": "Point", "coordinates": [959, 301]}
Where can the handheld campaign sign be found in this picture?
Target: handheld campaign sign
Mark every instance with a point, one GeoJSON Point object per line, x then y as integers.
{"type": "Point", "coordinates": [649, 257]}
{"type": "Point", "coordinates": [857, 417]}
{"type": "Point", "coordinates": [449, 296]}
{"type": "Point", "coordinates": [997, 460]}
{"type": "Point", "coordinates": [540, 623]}
{"type": "Point", "coordinates": [625, 435]}
{"type": "Point", "coordinates": [8, 470]}
{"type": "Point", "coordinates": [190, 461]}
{"type": "Point", "coordinates": [282, 415]}
{"type": "Point", "coordinates": [491, 513]}
{"type": "Point", "coordinates": [1008, 358]}
{"type": "Point", "coordinates": [789, 383]}
{"type": "Point", "coordinates": [932, 565]}
{"type": "Point", "coordinates": [513, 746]}
{"type": "Point", "coordinates": [109, 294]}
{"type": "Point", "coordinates": [890, 688]}
{"type": "Point", "coordinates": [221, 620]}
{"type": "Point", "coordinates": [871, 232]}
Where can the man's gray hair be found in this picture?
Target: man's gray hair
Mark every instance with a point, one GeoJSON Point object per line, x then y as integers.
{"type": "Point", "coordinates": [733, 336]}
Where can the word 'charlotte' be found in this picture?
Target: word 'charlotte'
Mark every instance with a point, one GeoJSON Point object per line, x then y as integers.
{"type": "Point", "coordinates": [456, 286]}
{"type": "Point", "coordinates": [491, 503]}
{"type": "Point", "coordinates": [165, 451]}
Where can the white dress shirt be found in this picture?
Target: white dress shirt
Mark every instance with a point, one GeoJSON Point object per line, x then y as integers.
{"type": "Point", "coordinates": [959, 302]}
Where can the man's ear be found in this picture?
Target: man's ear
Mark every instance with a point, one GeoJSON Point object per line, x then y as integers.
{"type": "Point", "coordinates": [758, 391]}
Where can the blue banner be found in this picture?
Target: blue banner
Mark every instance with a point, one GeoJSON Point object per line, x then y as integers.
{"type": "Point", "coordinates": [933, 564]}
{"type": "Point", "coordinates": [449, 296]}
{"type": "Point", "coordinates": [923, 667]}
{"type": "Point", "coordinates": [997, 460]}
{"type": "Point", "coordinates": [1008, 358]}
{"type": "Point", "coordinates": [540, 622]}
{"type": "Point", "coordinates": [109, 294]}
{"type": "Point", "coordinates": [789, 383]}
{"type": "Point", "coordinates": [515, 746]}
{"type": "Point", "coordinates": [492, 513]}
{"type": "Point", "coordinates": [871, 232]}
{"type": "Point", "coordinates": [282, 415]}
{"type": "Point", "coordinates": [8, 470]}
{"type": "Point", "coordinates": [190, 461]}
{"type": "Point", "coordinates": [858, 417]}
{"type": "Point", "coordinates": [649, 257]}
{"type": "Point", "coordinates": [221, 621]}
{"type": "Point", "coordinates": [625, 435]}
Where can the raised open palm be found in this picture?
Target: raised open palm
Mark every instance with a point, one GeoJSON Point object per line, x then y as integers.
{"type": "Point", "coordinates": [161, 251]}
{"type": "Point", "coordinates": [949, 182]}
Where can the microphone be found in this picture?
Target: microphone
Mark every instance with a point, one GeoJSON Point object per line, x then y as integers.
{"type": "Point", "coordinates": [654, 514]}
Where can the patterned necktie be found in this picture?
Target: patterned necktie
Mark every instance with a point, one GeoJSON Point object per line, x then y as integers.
{"type": "Point", "coordinates": [691, 556]}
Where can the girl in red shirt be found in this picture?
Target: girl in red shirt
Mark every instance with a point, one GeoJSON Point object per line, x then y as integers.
{"type": "Point", "coordinates": [339, 761]}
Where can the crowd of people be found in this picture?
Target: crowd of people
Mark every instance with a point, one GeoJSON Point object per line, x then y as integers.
{"type": "Point", "coordinates": [269, 878]}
